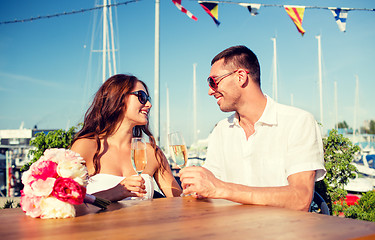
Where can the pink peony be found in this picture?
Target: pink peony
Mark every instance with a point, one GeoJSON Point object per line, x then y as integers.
{"type": "Point", "coordinates": [44, 169]}
{"type": "Point", "coordinates": [73, 156]}
{"type": "Point", "coordinates": [31, 205]}
{"type": "Point", "coordinates": [41, 188]}
{"type": "Point", "coordinates": [27, 180]}
{"type": "Point", "coordinates": [68, 190]}
{"type": "Point", "coordinates": [59, 154]}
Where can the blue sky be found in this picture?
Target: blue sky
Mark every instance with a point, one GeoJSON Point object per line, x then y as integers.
{"type": "Point", "coordinates": [46, 79]}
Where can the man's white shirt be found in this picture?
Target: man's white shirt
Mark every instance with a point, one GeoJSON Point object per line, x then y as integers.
{"type": "Point", "coordinates": [287, 140]}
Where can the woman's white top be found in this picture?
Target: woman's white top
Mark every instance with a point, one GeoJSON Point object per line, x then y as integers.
{"type": "Point", "coordinates": [103, 181]}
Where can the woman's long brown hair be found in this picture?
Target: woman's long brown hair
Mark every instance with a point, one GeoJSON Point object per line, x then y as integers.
{"type": "Point", "coordinates": [107, 110]}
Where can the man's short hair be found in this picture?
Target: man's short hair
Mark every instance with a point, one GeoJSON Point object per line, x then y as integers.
{"type": "Point", "coordinates": [240, 57]}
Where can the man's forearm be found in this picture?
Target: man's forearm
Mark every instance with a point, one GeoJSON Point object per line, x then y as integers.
{"type": "Point", "coordinates": [297, 195]}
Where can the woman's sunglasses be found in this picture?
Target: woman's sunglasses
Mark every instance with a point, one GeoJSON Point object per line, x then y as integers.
{"type": "Point", "coordinates": [142, 96]}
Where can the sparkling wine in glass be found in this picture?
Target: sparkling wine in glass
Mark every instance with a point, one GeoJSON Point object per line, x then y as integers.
{"type": "Point", "coordinates": [139, 156]}
{"type": "Point", "coordinates": [178, 149]}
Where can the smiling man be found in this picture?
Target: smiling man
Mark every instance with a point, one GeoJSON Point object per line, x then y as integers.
{"type": "Point", "coordinates": [266, 153]}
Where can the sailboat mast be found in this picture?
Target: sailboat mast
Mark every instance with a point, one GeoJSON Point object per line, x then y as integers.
{"type": "Point", "coordinates": [356, 104]}
{"type": "Point", "coordinates": [195, 102]}
{"type": "Point", "coordinates": [156, 75]}
{"type": "Point", "coordinates": [336, 107]}
{"type": "Point", "coordinates": [274, 88]}
{"type": "Point", "coordinates": [292, 99]}
{"type": "Point", "coordinates": [112, 41]}
{"type": "Point", "coordinates": [320, 79]}
{"type": "Point", "coordinates": [168, 122]}
{"type": "Point", "coordinates": [105, 24]}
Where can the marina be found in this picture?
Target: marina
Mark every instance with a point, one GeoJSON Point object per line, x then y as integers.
{"type": "Point", "coordinates": [14, 154]}
{"type": "Point", "coordinates": [364, 161]}
{"type": "Point", "coordinates": [15, 145]}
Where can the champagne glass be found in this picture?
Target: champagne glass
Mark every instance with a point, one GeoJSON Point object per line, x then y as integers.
{"type": "Point", "coordinates": [178, 149]}
{"type": "Point", "coordinates": [139, 156]}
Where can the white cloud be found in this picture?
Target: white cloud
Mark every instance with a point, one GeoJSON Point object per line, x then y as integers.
{"type": "Point", "coordinates": [9, 76]}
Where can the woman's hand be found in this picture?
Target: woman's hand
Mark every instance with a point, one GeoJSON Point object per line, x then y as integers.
{"type": "Point", "coordinates": [133, 186]}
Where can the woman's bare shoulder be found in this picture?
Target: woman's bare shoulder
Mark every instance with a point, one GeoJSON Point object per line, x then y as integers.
{"type": "Point", "coordinates": [86, 147]}
{"type": "Point", "coordinates": [150, 153]}
{"type": "Point", "coordinates": [86, 143]}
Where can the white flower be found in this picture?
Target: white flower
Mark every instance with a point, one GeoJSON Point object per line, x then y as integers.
{"type": "Point", "coordinates": [73, 169]}
{"type": "Point", "coordinates": [54, 208]}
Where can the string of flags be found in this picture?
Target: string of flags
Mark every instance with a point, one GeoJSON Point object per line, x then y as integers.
{"type": "Point", "coordinates": [252, 7]}
{"type": "Point", "coordinates": [296, 13]}
{"type": "Point", "coordinates": [212, 9]}
{"type": "Point", "coordinates": [340, 15]}
{"type": "Point", "coordinates": [67, 13]}
{"type": "Point", "coordinates": [184, 10]}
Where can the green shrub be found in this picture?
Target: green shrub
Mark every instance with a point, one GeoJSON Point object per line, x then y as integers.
{"type": "Point", "coordinates": [54, 139]}
{"type": "Point", "coordinates": [10, 203]}
{"type": "Point", "coordinates": [338, 156]}
{"type": "Point", "coordinates": [364, 209]}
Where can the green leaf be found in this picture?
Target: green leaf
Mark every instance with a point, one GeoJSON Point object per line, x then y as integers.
{"type": "Point", "coordinates": [54, 139]}
{"type": "Point", "coordinates": [364, 209]}
{"type": "Point", "coordinates": [338, 156]}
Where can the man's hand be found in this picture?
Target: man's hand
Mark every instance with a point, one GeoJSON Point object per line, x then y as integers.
{"type": "Point", "coordinates": [200, 182]}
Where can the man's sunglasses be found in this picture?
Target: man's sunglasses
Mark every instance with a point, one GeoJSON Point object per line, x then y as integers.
{"type": "Point", "coordinates": [142, 96]}
{"type": "Point", "coordinates": [214, 82]}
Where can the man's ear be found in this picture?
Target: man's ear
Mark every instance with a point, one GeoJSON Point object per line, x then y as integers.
{"type": "Point", "coordinates": [243, 77]}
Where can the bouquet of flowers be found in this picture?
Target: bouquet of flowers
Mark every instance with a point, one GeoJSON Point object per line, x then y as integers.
{"type": "Point", "coordinates": [55, 183]}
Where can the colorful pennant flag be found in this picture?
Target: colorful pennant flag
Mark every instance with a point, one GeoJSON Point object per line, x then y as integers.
{"type": "Point", "coordinates": [252, 7]}
{"type": "Point", "coordinates": [296, 14]}
{"type": "Point", "coordinates": [340, 15]}
{"type": "Point", "coordinates": [212, 9]}
{"type": "Point", "coordinates": [184, 10]}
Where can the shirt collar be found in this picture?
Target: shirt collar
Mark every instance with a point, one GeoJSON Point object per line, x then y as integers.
{"type": "Point", "coordinates": [268, 116]}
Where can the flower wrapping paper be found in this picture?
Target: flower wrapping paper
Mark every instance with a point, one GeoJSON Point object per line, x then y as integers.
{"type": "Point", "coordinates": [53, 184]}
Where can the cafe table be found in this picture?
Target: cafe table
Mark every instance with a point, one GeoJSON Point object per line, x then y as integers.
{"type": "Point", "coordinates": [184, 218]}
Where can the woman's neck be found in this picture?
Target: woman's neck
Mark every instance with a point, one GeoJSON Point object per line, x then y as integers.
{"type": "Point", "coordinates": [122, 136]}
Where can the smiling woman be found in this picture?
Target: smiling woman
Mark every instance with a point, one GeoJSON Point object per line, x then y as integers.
{"type": "Point", "coordinates": [118, 113]}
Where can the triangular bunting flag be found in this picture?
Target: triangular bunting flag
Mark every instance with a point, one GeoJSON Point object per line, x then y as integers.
{"type": "Point", "coordinates": [184, 10]}
{"type": "Point", "coordinates": [340, 15]}
{"type": "Point", "coordinates": [212, 9]}
{"type": "Point", "coordinates": [252, 7]}
{"type": "Point", "coordinates": [296, 14]}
